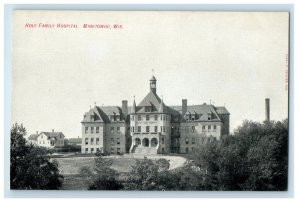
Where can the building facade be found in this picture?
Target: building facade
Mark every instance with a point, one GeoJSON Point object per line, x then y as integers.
{"type": "Point", "coordinates": [151, 127]}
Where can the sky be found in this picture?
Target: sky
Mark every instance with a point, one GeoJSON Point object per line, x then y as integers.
{"type": "Point", "coordinates": [236, 59]}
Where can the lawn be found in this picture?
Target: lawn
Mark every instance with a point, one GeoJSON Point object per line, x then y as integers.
{"type": "Point", "coordinates": [70, 168]}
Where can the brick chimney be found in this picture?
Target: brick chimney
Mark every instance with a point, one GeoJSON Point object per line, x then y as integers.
{"type": "Point", "coordinates": [267, 108]}
{"type": "Point", "coordinates": [52, 130]}
{"type": "Point", "coordinates": [184, 106]}
{"type": "Point", "coordinates": [125, 108]}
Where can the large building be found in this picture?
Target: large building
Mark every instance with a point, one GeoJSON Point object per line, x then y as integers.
{"type": "Point", "coordinates": [151, 127]}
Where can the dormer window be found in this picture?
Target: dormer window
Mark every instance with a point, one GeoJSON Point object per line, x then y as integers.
{"type": "Point", "coordinates": [92, 117]}
{"type": "Point", "coordinates": [148, 109]}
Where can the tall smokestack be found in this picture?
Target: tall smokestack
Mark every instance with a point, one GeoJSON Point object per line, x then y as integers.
{"type": "Point", "coordinates": [267, 109]}
{"type": "Point", "coordinates": [184, 107]}
{"type": "Point", "coordinates": [125, 108]}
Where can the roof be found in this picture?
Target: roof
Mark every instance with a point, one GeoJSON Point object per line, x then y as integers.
{"type": "Point", "coordinates": [151, 100]}
{"type": "Point", "coordinates": [153, 78]}
{"type": "Point", "coordinates": [222, 110]}
{"type": "Point", "coordinates": [202, 110]}
{"type": "Point", "coordinates": [33, 137]}
{"type": "Point", "coordinates": [53, 134]}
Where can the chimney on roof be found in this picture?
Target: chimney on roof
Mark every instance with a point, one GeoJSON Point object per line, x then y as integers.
{"type": "Point", "coordinates": [52, 130]}
{"type": "Point", "coordinates": [37, 132]}
{"type": "Point", "coordinates": [267, 109]}
{"type": "Point", "coordinates": [125, 108]}
{"type": "Point", "coordinates": [184, 106]}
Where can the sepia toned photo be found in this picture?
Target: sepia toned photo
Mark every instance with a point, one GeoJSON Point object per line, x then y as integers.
{"type": "Point", "coordinates": [149, 100]}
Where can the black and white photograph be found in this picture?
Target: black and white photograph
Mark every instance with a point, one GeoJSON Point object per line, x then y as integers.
{"type": "Point", "coordinates": [149, 100]}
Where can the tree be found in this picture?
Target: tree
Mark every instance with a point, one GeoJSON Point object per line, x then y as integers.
{"type": "Point", "coordinates": [255, 157]}
{"type": "Point", "coordinates": [30, 167]}
{"type": "Point", "coordinates": [143, 176]}
{"type": "Point", "coordinates": [105, 177]}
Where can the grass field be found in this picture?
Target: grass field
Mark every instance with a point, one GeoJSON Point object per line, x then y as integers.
{"type": "Point", "coordinates": [70, 168]}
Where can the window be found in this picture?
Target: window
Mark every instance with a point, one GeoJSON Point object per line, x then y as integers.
{"type": "Point", "coordinates": [155, 117]}
{"type": "Point", "coordinates": [86, 150]}
{"type": "Point", "coordinates": [192, 149]}
{"type": "Point", "coordinates": [132, 129]}
{"type": "Point", "coordinates": [112, 129]}
{"type": "Point", "coordinates": [112, 150]}
{"type": "Point", "coordinates": [92, 150]}
{"type": "Point", "coordinates": [86, 141]}
{"type": "Point", "coordinates": [161, 129]}
{"type": "Point", "coordinates": [163, 150]}
{"type": "Point", "coordinates": [186, 140]}
{"type": "Point", "coordinates": [186, 129]}
{"type": "Point", "coordinates": [209, 127]}
{"type": "Point", "coordinates": [187, 150]}
{"type": "Point", "coordinates": [209, 117]}
{"type": "Point", "coordinates": [139, 117]}
{"type": "Point", "coordinates": [118, 150]}
{"type": "Point", "coordinates": [214, 138]}
{"type": "Point", "coordinates": [92, 141]}
{"type": "Point", "coordinates": [86, 129]}
{"type": "Point", "coordinates": [139, 129]}
{"type": "Point", "coordinates": [112, 141]}
{"type": "Point", "coordinates": [164, 117]}
{"type": "Point", "coordinates": [164, 127]}
{"type": "Point", "coordinates": [155, 129]}
{"type": "Point", "coordinates": [147, 109]}
{"type": "Point", "coordinates": [193, 140]}
{"type": "Point", "coordinates": [147, 129]}
{"type": "Point", "coordinates": [43, 141]}
{"type": "Point", "coordinates": [193, 129]}
{"type": "Point", "coordinates": [98, 149]}
{"type": "Point", "coordinates": [132, 118]}
{"type": "Point", "coordinates": [92, 129]}
{"type": "Point", "coordinates": [118, 130]}
{"type": "Point", "coordinates": [162, 140]}
{"type": "Point", "coordinates": [118, 140]}
{"type": "Point", "coordinates": [97, 129]}
{"type": "Point", "coordinates": [215, 127]}
{"type": "Point", "coordinates": [97, 141]}
{"type": "Point", "coordinates": [203, 128]}
{"type": "Point", "coordinates": [92, 117]}
{"type": "Point", "coordinates": [147, 117]}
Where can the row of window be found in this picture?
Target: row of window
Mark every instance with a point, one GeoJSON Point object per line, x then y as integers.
{"type": "Point", "coordinates": [94, 150]}
{"type": "Point", "coordinates": [155, 129]}
{"type": "Point", "coordinates": [92, 142]}
{"type": "Point", "coordinates": [96, 129]}
{"type": "Point", "coordinates": [147, 129]}
{"type": "Point", "coordinates": [203, 139]}
{"type": "Point", "coordinates": [209, 127]}
{"type": "Point", "coordinates": [148, 117]}
{"type": "Point", "coordinates": [52, 142]}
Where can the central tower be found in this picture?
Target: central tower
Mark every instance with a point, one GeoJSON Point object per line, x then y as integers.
{"type": "Point", "coordinates": [153, 84]}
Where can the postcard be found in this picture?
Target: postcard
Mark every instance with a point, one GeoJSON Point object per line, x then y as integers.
{"type": "Point", "coordinates": [149, 100]}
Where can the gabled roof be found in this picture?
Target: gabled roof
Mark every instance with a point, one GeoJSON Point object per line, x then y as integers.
{"type": "Point", "coordinates": [33, 137]}
{"type": "Point", "coordinates": [151, 100]}
{"type": "Point", "coordinates": [52, 134]}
